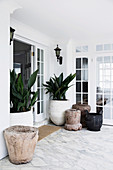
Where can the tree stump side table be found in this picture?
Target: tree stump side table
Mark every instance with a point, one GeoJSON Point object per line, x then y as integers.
{"type": "Point", "coordinates": [82, 108]}
{"type": "Point", "coordinates": [73, 119]}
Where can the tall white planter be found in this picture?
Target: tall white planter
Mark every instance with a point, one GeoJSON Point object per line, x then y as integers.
{"type": "Point", "coordinates": [57, 111]}
{"type": "Point", "coordinates": [22, 118]}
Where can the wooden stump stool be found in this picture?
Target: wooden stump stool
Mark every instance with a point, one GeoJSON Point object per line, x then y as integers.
{"type": "Point", "coordinates": [82, 108]}
{"type": "Point", "coordinates": [73, 119]}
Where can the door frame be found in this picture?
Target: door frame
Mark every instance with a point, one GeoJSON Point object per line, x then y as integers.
{"type": "Point", "coordinates": [34, 46]}
{"type": "Point", "coordinates": [82, 56]}
{"type": "Point", "coordinates": [103, 54]}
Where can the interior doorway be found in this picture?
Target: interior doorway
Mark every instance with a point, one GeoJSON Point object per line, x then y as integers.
{"type": "Point", "coordinates": [26, 58]}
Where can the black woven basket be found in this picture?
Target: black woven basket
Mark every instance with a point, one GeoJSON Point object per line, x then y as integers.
{"type": "Point", "coordinates": [94, 121]}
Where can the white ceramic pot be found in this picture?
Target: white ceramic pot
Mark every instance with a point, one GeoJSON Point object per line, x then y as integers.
{"type": "Point", "coordinates": [57, 111]}
{"type": "Point", "coordinates": [21, 118]}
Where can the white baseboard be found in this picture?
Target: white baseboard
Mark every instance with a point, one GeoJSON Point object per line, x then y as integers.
{"type": "Point", "coordinates": [44, 122]}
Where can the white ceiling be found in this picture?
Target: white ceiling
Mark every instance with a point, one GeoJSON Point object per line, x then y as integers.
{"type": "Point", "coordinates": [66, 19]}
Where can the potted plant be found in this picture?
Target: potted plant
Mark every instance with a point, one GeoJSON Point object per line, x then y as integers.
{"type": "Point", "coordinates": [57, 88]}
{"type": "Point", "coordinates": [22, 99]}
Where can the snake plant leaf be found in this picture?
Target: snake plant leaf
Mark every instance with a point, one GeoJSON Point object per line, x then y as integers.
{"type": "Point", "coordinates": [17, 95]}
{"type": "Point", "coordinates": [19, 84]}
{"type": "Point", "coordinates": [69, 79]}
{"type": "Point", "coordinates": [33, 100]}
{"type": "Point", "coordinates": [32, 79]}
{"type": "Point", "coordinates": [45, 85]}
{"type": "Point", "coordinates": [13, 76]}
{"type": "Point", "coordinates": [57, 87]}
{"type": "Point", "coordinates": [60, 79]}
{"type": "Point", "coordinates": [20, 97]}
{"type": "Point", "coordinates": [20, 105]}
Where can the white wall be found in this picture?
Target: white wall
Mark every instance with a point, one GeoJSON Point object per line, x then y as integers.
{"type": "Point", "coordinates": [58, 69]}
{"type": "Point", "coordinates": [51, 65]}
{"type": "Point", "coordinates": [68, 54]}
{"type": "Point", "coordinates": [4, 75]}
{"type": "Point", "coordinates": [70, 68]}
{"type": "Point", "coordinates": [34, 37]}
{"type": "Point", "coordinates": [48, 42]}
{"type": "Point", "coordinates": [6, 7]}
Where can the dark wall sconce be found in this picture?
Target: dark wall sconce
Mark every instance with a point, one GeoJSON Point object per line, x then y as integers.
{"type": "Point", "coordinates": [59, 58]}
{"type": "Point", "coordinates": [11, 34]}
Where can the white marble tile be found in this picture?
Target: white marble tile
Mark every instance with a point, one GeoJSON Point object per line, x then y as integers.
{"type": "Point", "coordinates": [37, 161]}
{"type": "Point", "coordinates": [34, 168]}
{"type": "Point", "coordinates": [9, 168]}
{"type": "Point", "coordinates": [71, 150]}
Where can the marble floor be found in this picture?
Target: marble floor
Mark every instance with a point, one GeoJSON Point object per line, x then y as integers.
{"type": "Point", "coordinates": [70, 150]}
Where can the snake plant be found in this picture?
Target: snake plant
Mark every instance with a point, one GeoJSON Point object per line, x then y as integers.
{"type": "Point", "coordinates": [57, 87]}
{"type": "Point", "coordinates": [21, 98]}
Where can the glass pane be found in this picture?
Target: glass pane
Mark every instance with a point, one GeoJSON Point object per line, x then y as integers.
{"type": "Point", "coordinates": [38, 107]}
{"type": "Point", "coordinates": [85, 86]}
{"type": "Point", "coordinates": [99, 88]}
{"type": "Point", "coordinates": [42, 80]}
{"type": "Point", "coordinates": [112, 87]}
{"type": "Point", "coordinates": [107, 100]}
{"type": "Point", "coordinates": [78, 74]}
{"type": "Point", "coordinates": [99, 74]}
{"type": "Point", "coordinates": [85, 63]}
{"type": "Point", "coordinates": [112, 63]}
{"type": "Point", "coordinates": [42, 68]}
{"type": "Point", "coordinates": [107, 46]}
{"type": "Point", "coordinates": [38, 94]}
{"type": "Point", "coordinates": [112, 100]}
{"type": "Point", "coordinates": [78, 49]}
{"type": "Point", "coordinates": [99, 59]}
{"type": "Point", "coordinates": [99, 100]}
{"type": "Point", "coordinates": [42, 55]}
{"type": "Point", "coordinates": [42, 107]}
{"type": "Point", "coordinates": [38, 53]}
{"type": "Point", "coordinates": [107, 113]}
{"type": "Point", "coordinates": [112, 75]}
{"type": "Point", "coordinates": [42, 94]}
{"type": "Point", "coordinates": [107, 87]}
{"type": "Point", "coordinates": [17, 67]}
{"type": "Point", "coordinates": [38, 67]}
{"type": "Point", "coordinates": [78, 98]}
{"type": "Point", "coordinates": [107, 72]}
{"type": "Point", "coordinates": [85, 98]}
{"type": "Point", "coordinates": [99, 109]}
{"type": "Point", "coordinates": [107, 59]}
{"type": "Point", "coordinates": [78, 87]}
{"type": "Point", "coordinates": [85, 75]}
{"type": "Point", "coordinates": [99, 47]}
{"type": "Point", "coordinates": [38, 81]}
{"type": "Point", "coordinates": [84, 48]}
{"type": "Point", "coordinates": [78, 63]}
{"type": "Point", "coordinates": [112, 112]}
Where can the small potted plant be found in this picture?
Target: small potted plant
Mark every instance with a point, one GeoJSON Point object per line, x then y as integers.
{"type": "Point", "coordinates": [57, 88]}
{"type": "Point", "coordinates": [22, 99]}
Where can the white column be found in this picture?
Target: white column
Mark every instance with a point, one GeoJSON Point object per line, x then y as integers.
{"type": "Point", "coordinates": [5, 65]}
{"type": "Point", "coordinates": [35, 85]}
{"type": "Point", "coordinates": [92, 78]}
{"type": "Point", "coordinates": [4, 76]}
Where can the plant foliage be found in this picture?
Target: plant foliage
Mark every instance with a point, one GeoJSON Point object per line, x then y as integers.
{"type": "Point", "coordinates": [21, 98]}
{"type": "Point", "coordinates": [57, 87]}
